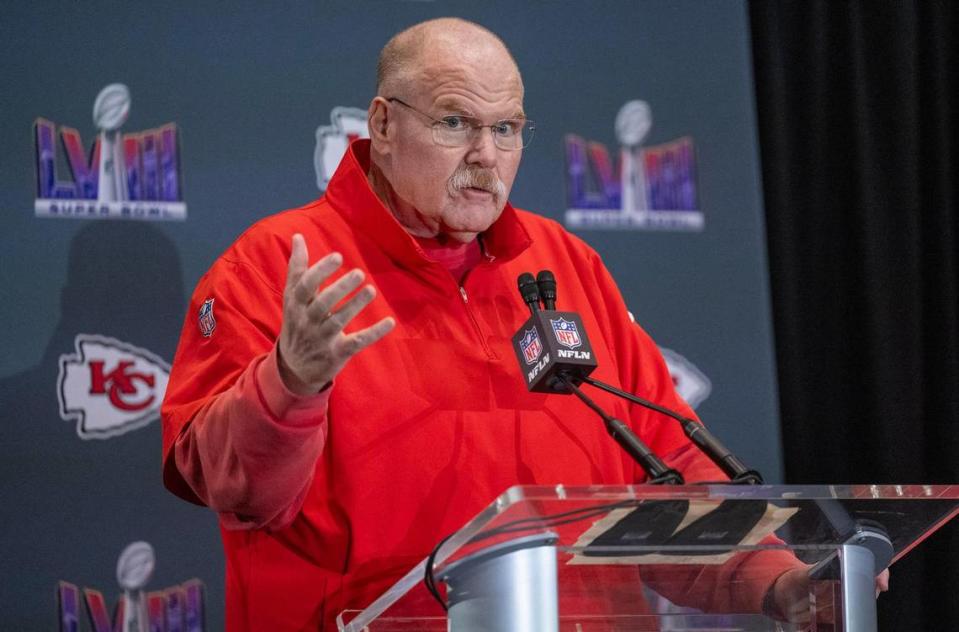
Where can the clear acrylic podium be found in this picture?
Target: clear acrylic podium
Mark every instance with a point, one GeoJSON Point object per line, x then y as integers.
{"type": "Point", "coordinates": [670, 558]}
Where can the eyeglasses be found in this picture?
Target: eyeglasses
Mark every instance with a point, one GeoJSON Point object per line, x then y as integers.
{"type": "Point", "coordinates": [457, 130]}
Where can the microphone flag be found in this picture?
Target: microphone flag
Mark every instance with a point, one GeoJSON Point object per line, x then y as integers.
{"type": "Point", "coordinates": [548, 343]}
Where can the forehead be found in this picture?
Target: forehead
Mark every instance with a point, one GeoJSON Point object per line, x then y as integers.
{"type": "Point", "coordinates": [473, 79]}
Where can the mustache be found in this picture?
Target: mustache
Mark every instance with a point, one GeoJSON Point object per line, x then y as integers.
{"type": "Point", "coordinates": [472, 177]}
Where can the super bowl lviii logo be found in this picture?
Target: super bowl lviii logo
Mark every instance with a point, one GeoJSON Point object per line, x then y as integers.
{"type": "Point", "coordinates": [134, 175]}
{"type": "Point", "coordinates": [174, 609]}
{"type": "Point", "coordinates": [110, 387]}
{"type": "Point", "coordinates": [647, 188]}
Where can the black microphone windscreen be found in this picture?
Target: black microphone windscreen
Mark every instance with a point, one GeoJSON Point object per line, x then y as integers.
{"type": "Point", "coordinates": [528, 289]}
{"type": "Point", "coordinates": [547, 288]}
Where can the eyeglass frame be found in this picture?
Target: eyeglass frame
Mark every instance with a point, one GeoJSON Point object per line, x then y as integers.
{"type": "Point", "coordinates": [474, 125]}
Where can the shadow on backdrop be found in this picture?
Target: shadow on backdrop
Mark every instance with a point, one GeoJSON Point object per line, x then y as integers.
{"type": "Point", "coordinates": [72, 504]}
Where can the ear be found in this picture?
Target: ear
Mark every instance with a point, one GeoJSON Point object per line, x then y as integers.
{"type": "Point", "coordinates": [378, 122]}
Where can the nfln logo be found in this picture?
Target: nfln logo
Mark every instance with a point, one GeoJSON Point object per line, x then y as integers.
{"type": "Point", "coordinates": [110, 387]}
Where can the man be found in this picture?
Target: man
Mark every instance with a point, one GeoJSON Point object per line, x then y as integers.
{"type": "Point", "coordinates": [341, 429]}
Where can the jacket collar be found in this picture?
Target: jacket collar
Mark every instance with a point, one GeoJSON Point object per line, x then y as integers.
{"type": "Point", "coordinates": [350, 195]}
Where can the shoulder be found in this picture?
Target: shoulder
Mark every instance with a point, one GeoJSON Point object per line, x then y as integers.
{"type": "Point", "coordinates": [547, 232]}
{"type": "Point", "coordinates": [262, 251]}
{"type": "Point", "coordinates": [275, 231]}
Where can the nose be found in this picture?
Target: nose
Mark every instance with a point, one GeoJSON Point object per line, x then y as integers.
{"type": "Point", "coordinates": [482, 150]}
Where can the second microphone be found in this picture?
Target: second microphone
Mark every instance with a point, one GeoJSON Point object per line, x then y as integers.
{"type": "Point", "coordinates": [550, 342]}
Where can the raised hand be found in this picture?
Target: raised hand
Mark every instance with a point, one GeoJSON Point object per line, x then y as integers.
{"type": "Point", "coordinates": [312, 346]}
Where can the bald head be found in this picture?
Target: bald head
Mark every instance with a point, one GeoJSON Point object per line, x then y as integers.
{"type": "Point", "coordinates": [404, 57]}
{"type": "Point", "coordinates": [435, 78]}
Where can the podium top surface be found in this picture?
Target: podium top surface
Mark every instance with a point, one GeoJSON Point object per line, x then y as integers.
{"type": "Point", "coordinates": [655, 526]}
{"type": "Point", "coordinates": [804, 516]}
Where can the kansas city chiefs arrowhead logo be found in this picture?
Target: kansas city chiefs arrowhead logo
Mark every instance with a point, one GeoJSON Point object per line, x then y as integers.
{"type": "Point", "coordinates": [110, 387]}
{"type": "Point", "coordinates": [691, 383]}
{"type": "Point", "coordinates": [346, 125]}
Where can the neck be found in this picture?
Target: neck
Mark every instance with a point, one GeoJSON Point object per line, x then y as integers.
{"type": "Point", "coordinates": [414, 222]}
{"type": "Point", "coordinates": [457, 257]}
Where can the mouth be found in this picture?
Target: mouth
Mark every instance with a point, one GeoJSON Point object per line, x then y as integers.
{"type": "Point", "coordinates": [476, 184]}
{"type": "Point", "coordinates": [476, 193]}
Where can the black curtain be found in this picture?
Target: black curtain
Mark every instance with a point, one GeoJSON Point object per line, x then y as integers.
{"type": "Point", "coordinates": [858, 117]}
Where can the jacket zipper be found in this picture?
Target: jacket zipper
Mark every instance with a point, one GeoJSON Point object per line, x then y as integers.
{"type": "Point", "coordinates": [476, 326]}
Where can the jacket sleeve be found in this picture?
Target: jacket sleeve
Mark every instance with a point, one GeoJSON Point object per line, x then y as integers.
{"type": "Point", "coordinates": [234, 438]}
{"type": "Point", "coordinates": [741, 583]}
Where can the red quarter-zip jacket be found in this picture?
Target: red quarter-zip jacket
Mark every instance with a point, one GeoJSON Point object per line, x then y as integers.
{"type": "Point", "coordinates": [325, 501]}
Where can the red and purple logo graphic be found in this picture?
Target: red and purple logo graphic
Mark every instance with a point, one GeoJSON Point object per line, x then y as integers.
{"type": "Point", "coordinates": [531, 346]}
{"type": "Point", "coordinates": [135, 175]}
{"type": "Point", "coordinates": [175, 609]}
{"type": "Point", "coordinates": [566, 332]}
{"type": "Point", "coordinates": [651, 188]}
{"type": "Point", "coordinates": [110, 387]}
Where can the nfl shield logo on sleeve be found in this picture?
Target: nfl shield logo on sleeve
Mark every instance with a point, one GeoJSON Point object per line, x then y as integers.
{"type": "Point", "coordinates": [206, 320]}
{"type": "Point", "coordinates": [566, 332]}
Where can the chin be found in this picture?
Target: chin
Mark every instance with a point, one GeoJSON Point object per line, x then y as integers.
{"type": "Point", "coordinates": [465, 234]}
{"type": "Point", "coordinates": [475, 221]}
{"type": "Point", "coordinates": [463, 237]}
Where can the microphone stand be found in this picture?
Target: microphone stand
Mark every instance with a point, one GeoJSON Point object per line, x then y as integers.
{"type": "Point", "coordinates": [657, 471]}
{"type": "Point", "coordinates": [711, 446]}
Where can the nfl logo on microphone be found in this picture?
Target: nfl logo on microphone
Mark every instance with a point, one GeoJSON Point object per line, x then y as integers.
{"type": "Point", "coordinates": [531, 346]}
{"type": "Point", "coordinates": [566, 332]}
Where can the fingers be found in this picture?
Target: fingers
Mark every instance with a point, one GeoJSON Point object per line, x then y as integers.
{"type": "Point", "coordinates": [298, 260]}
{"type": "Point", "coordinates": [882, 582]}
{"type": "Point", "coordinates": [356, 342]}
{"type": "Point", "coordinates": [303, 283]}
{"type": "Point", "coordinates": [312, 345]}
{"type": "Point", "coordinates": [326, 300]}
{"type": "Point", "coordinates": [338, 320]}
{"type": "Point", "coordinates": [299, 278]}
{"type": "Point", "coordinates": [305, 288]}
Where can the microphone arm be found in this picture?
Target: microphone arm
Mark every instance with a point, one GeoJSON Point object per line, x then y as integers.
{"type": "Point", "coordinates": [697, 433]}
{"type": "Point", "coordinates": [657, 471]}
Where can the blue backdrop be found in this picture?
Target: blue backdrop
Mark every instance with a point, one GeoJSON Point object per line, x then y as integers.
{"type": "Point", "coordinates": [248, 88]}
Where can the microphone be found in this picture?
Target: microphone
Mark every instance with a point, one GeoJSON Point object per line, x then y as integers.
{"type": "Point", "coordinates": [547, 288]}
{"type": "Point", "coordinates": [550, 342]}
{"type": "Point", "coordinates": [555, 356]}
{"type": "Point", "coordinates": [529, 291]}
